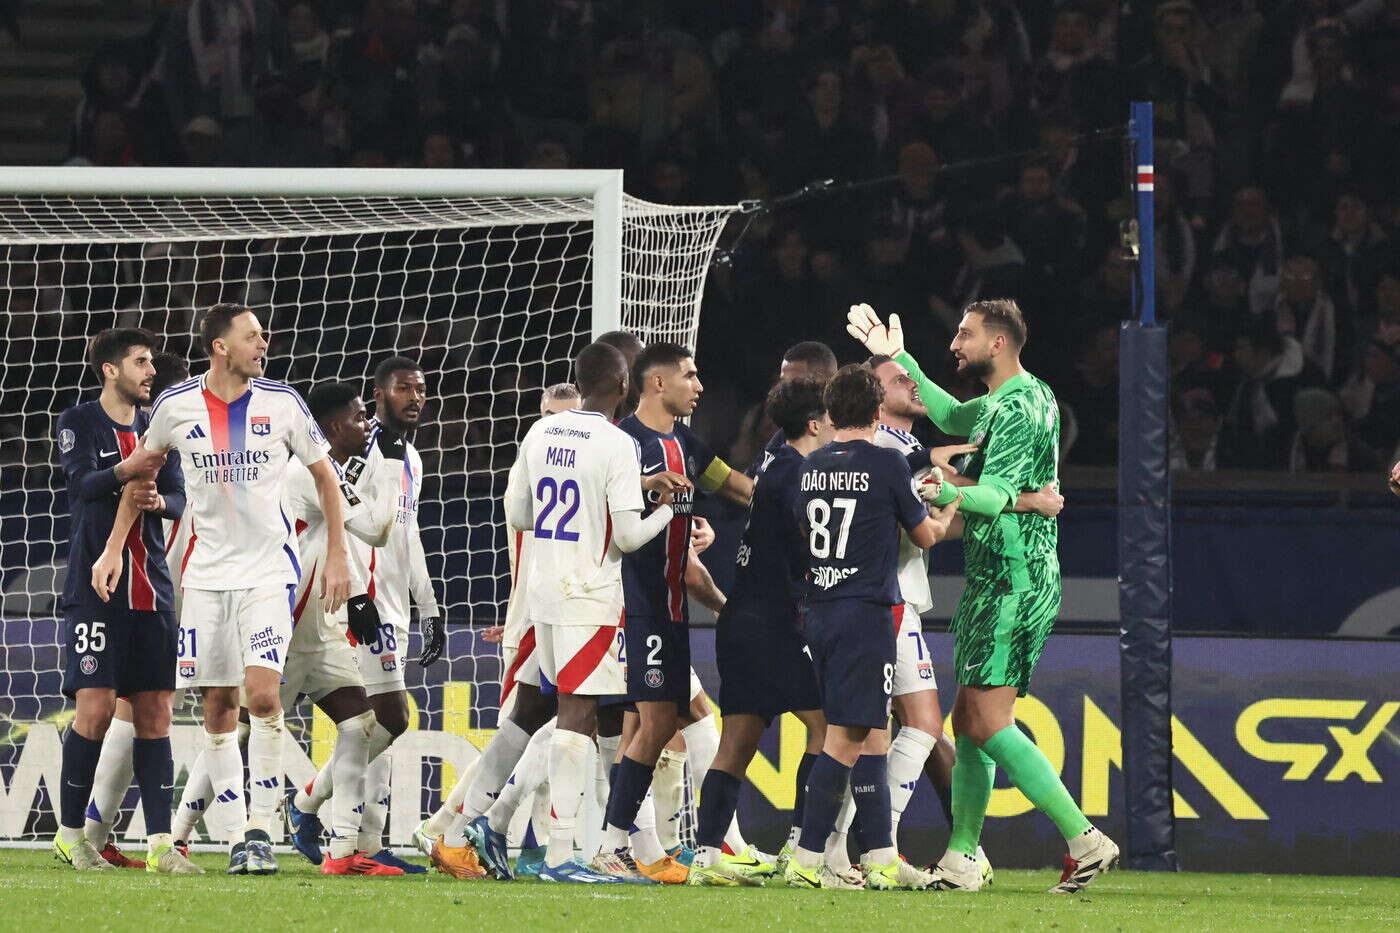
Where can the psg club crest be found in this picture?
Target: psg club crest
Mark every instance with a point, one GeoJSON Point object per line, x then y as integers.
{"type": "Point", "coordinates": [654, 677]}
{"type": "Point", "coordinates": [66, 440]}
{"type": "Point", "coordinates": [186, 668]}
{"type": "Point", "coordinates": [88, 665]}
{"type": "Point", "coordinates": [261, 425]}
{"type": "Point", "coordinates": [388, 662]}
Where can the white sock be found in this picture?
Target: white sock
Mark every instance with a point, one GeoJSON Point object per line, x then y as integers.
{"type": "Point", "coordinates": [194, 800]}
{"type": "Point", "coordinates": [705, 856]}
{"type": "Point", "coordinates": [835, 853]}
{"type": "Point", "coordinates": [225, 768]}
{"type": "Point", "coordinates": [350, 763]}
{"type": "Point", "coordinates": [568, 757]}
{"type": "Point", "coordinates": [1082, 844]}
{"type": "Point", "coordinates": [264, 770]}
{"type": "Point", "coordinates": [793, 835]}
{"type": "Point", "coordinates": [311, 798]}
{"type": "Point", "coordinates": [809, 859]}
{"type": "Point", "coordinates": [542, 813]}
{"type": "Point", "coordinates": [530, 773]}
{"type": "Point", "coordinates": [110, 782]}
{"type": "Point", "coordinates": [499, 759]}
{"type": "Point", "coordinates": [376, 804]}
{"type": "Point", "coordinates": [702, 744]}
{"type": "Point", "coordinates": [614, 839]}
{"type": "Point", "coordinates": [880, 856]}
{"type": "Point", "coordinates": [645, 846]}
{"type": "Point", "coordinates": [668, 791]}
{"type": "Point", "coordinates": [441, 819]}
{"type": "Point", "coordinates": [607, 754]}
{"type": "Point", "coordinates": [908, 752]}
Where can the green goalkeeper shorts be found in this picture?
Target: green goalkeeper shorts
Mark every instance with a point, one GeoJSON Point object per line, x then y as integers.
{"type": "Point", "coordinates": [998, 634]}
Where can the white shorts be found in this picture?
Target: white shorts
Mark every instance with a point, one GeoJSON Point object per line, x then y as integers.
{"type": "Point", "coordinates": [229, 630]}
{"type": "Point", "coordinates": [520, 665]}
{"type": "Point", "coordinates": [581, 659]}
{"type": "Point", "coordinates": [913, 667]}
{"type": "Point", "coordinates": [318, 669]}
{"type": "Point", "coordinates": [383, 660]}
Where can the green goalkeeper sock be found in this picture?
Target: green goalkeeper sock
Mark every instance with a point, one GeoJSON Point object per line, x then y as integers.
{"type": "Point", "coordinates": [973, 774]}
{"type": "Point", "coordinates": [1030, 771]}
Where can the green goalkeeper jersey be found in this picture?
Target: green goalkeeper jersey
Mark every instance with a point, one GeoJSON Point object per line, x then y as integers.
{"type": "Point", "coordinates": [1018, 433]}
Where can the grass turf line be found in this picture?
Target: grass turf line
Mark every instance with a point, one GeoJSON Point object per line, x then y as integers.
{"type": "Point", "coordinates": [39, 893]}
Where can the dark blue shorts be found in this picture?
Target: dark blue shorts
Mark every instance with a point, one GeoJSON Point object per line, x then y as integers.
{"type": "Point", "coordinates": [763, 665]}
{"type": "Point", "coordinates": [853, 650]}
{"type": "Point", "coordinates": [124, 650]}
{"type": "Point", "coordinates": [658, 661]}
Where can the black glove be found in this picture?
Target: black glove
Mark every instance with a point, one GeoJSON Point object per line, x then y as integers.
{"type": "Point", "coordinates": [434, 640]}
{"type": "Point", "coordinates": [363, 618]}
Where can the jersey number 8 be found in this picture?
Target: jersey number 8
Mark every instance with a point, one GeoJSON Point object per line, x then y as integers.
{"type": "Point", "coordinates": [819, 517]}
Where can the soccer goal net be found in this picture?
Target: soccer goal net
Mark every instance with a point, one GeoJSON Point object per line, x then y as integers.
{"type": "Point", "coordinates": [493, 280]}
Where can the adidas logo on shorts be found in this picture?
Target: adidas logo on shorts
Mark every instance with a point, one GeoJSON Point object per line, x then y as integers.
{"type": "Point", "coordinates": [227, 796]}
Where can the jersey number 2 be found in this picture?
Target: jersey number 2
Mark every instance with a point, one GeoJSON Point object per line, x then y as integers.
{"type": "Point", "coordinates": [566, 495]}
{"type": "Point", "coordinates": [819, 517]}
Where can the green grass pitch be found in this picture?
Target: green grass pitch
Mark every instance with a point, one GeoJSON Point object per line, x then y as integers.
{"type": "Point", "coordinates": [39, 893]}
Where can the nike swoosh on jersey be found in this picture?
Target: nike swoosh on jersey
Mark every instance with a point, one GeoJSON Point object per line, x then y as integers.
{"type": "Point", "coordinates": [654, 467]}
{"type": "Point", "coordinates": [108, 453]}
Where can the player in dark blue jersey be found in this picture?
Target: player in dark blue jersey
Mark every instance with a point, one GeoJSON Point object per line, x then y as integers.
{"type": "Point", "coordinates": [810, 359]}
{"type": "Point", "coordinates": [853, 499]}
{"type": "Point", "coordinates": [122, 644]}
{"type": "Point", "coordinates": [763, 666]}
{"type": "Point", "coordinates": [657, 617]}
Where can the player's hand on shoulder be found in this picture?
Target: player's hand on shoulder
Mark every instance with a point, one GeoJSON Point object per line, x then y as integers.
{"type": "Point", "coordinates": [942, 457]}
{"type": "Point", "coordinates": [335, 582]}
{"type": "Point", "coordinates": [702, 534]}
{"type": "Point", "coordinates": [864, 324]}
{"type": "Point", "coordinates": [434, 640]}
{"type": "Point", "coordinates": [494, 635]}
{"type": "Point", "coordinates": [106, 571]}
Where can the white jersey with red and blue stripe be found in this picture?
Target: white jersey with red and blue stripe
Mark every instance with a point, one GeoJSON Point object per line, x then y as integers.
{"type": "Point", "coordinates": [234, 456]}
{"type": "Point", "coordinates": [397, 572]}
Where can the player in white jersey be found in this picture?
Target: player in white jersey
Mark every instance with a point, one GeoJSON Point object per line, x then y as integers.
{"type": "Point", "coordinates": [577, 483]}
{"type": "Point", "coordinates": [397, 576]}
{"type": "Point", "coordinates": [236, 433]}
{"type": "Point", "coordinates": [523, 711]}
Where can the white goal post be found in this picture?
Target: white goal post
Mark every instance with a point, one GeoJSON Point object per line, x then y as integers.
{"type": "Point", "coordinates": [494, 279]}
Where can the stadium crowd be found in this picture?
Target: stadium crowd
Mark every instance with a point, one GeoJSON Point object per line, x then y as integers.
{"type": "Point", "coordinates": [1277, 127]}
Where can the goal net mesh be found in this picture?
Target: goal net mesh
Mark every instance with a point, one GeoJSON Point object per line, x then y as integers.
{"type": "Point", "coordinates": [492, 295]}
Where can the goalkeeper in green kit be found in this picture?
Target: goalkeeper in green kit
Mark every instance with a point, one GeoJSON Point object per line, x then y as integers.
{"type": "Point", "coordinates": [1013, 581]}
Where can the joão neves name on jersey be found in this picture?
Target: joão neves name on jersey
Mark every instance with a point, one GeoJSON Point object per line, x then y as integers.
{"type": "Point", "coordinates": [230, 466]}
{"type": "Point", "coordinates": [836, 482]}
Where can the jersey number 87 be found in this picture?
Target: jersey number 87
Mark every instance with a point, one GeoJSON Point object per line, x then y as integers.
{"type": "Point", "coordinates": [819, 518]}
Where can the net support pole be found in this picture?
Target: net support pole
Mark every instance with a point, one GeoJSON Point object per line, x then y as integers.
{"type": "Point", "coordinates": [607, 255]}
{"type": "Point", "coordinates": [1144, 548]}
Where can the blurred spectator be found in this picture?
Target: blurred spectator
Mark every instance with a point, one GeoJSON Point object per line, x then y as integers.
{"type": "Point", "coordinates": [1091, 391]}
{"type": "Point", "coordinates": [1324, 443]}
{"type": "Point", "coordinates": [1195, 431]}
{"type": "Point", "coordinates": [1175, 243]}
{"type": "Point", "coordinates": [1050, 229]}
{"type": "Point", "coordinates": [1305, 312]}
{"type": "Point", "coordinates": [1251, 242]}
{"type": "Point", "coordinates": [1354, 253]}
{"type": "Point", "coordinates": [1372, 396]}
{"type": "Point", "coordinates": [925, 209]}
{"type": "Point", "coordinates": [1073, 79]}
{"type": "Point", "coordinates": [1259, 422]}
{"type": "Point", "coordinates": [822, 141]}
{"type": "Point", "coordinates": [888, 100]}
{"type": "Point", "coordinates": [993, 265]}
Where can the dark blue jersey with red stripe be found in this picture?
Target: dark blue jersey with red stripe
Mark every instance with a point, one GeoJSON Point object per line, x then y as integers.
{"type": "Point", "coordinates": [653, 576]}
{"type": "Point", "coordinates": [771, 565]}
{"type": "Point", "coordinates": [90, 445]}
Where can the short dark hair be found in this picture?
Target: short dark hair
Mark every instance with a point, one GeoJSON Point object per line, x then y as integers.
{"type": "Point", "coordinates": [790, 405]}
{"type": "Point", "coordinates": [1263, 334]}
{"type": "Point", "coordinates": [170, 369]}
{"type": "Point", "coordinates": [217, 322]}
{"type": "Point", "coordinates": [624, 340]}
{"type": "Point", "coordinates": [384, 372]}
{"type": "Point", "coordinates": [114, 345]}
{"type": "Point", "coordinates": [853, 396]}
{"type": "Point", "coordinates": [599, 367]}
{"type": "Point", "coordinates": [814, 353]}
{"type": "Point", "coordinates": [1003, 315]}
{"type": "Point", "coordinates": [328, 399]}
{"type": "Point", "coordinates": [659, 354]}
{"type": "Point", "coordinates": [877, 360]}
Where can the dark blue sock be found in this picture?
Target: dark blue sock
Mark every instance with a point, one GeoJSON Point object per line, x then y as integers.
{"type": "Point", "coordinates": [826, 786]}
{"type": "Point", "coordinates": [155, 776]}
{"type": "Point", "coordinates": [870, 787]}
{"type": "Point", "coordinates": [629, 789]}
{"type": "Point", "coordinates": [612, 782]}
{"type": "Point", "coordinates": [719, 798]}
{"type": "Point", "coordinates": [799, 800]}
{"type": "Point", "coordinates": [79, 764]}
